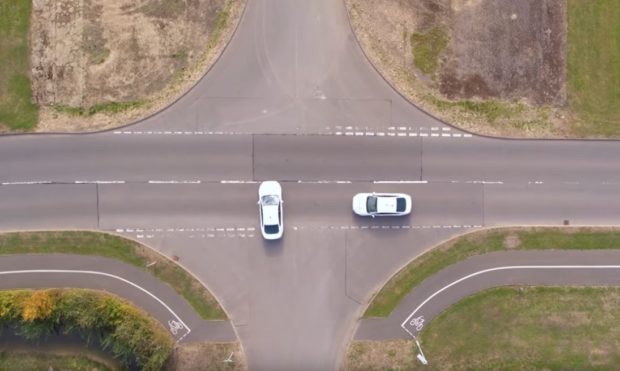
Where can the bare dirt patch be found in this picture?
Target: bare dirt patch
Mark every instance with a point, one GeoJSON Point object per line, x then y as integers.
{"type": "Point", "coordinates": [207, 357]}
{"type": "Point", "coordinates": [380, 355]}
{"type": "Point", "coordinates": [502, 71]}
{"type": "Point", "coordinates": [98, 64]}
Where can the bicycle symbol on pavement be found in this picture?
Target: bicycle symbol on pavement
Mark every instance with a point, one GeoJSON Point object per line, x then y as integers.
{"type": "Point", "coordinates": [175, 326]}
{"type": "Point", "coordinates": [418, 323]}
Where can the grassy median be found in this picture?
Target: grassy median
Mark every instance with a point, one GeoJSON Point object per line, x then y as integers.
{"type": "Point", "coordinates": [19, 361]}
{"type": "Point", "coordinates": [510, 328]}
{"type": "Point", "coordinates": [130, 252]}
{"type": "Point", "coordinates": [17, 112]}
{"type": "Point", "coordinates": [482, 242]}
{"type": "Point", "coordinates": [593, 52]}
{"type": "Point", "coordinates": [550, 328]}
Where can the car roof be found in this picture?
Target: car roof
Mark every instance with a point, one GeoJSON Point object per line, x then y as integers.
{"type": "Point", "coordinates": [271, 214]}
{"type": "Point", "coordinates": [386, 204]}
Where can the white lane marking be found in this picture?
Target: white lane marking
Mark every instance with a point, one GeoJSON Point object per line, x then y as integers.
{"type": "Point", "coordinates": [175, 181]}
{"type": "Point", "coordinates": [513, 267]}
{"type": "Point", "coordinates": [238, 181]}
{"type": "Point", "coordinates": [400, 181]}
{"type": "Point", "coordinates": [67, 271]}
{"type": "Point", "coordinates": [28, 183]}
{"type": "Point", "coordinates": [324, 182]}
{"type": "Point", "coordinates": [99, 182]}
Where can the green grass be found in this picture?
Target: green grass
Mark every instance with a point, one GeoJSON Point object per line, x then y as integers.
{"type": "Point", "coordinates": [482, 242]}
{"type": "Point", "coordinates": [426, 48]}
{"type": "Point", "coordinates": [593, 63]}
{"type": "Point", "coordinates": [18, 361]}
{"type": "Point", "coordinates": [107, 107]}
{"type": "Point", "coordinates": [509, 328]}
{"type": "Point", "coordinates": [220, 24]}
{"type": "Point", "coordinates": [17, 112]}
{"type": "Point", "coordinates": [130, 252]}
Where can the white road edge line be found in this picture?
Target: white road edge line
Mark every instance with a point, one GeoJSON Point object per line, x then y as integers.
{"type": "Point", "coordinates": [500, 269]}
{"type": "Point", "coordinates": [65, 271]}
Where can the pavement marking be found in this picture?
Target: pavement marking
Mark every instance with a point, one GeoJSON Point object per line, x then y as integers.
{"type": "Point", "coordinates": [337, 130]}
{"type": "Point", "coordinates": [385, 227]}
{"type": "Point", "coordinates": [415, 311]}
{"type": "Point", "coordinates": [179, 324]}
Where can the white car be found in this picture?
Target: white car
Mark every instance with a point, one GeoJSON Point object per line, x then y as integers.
{"type": "Point", "coordinates": [270, 210]}
{"type": "Point", "coordinates": [381, 204]}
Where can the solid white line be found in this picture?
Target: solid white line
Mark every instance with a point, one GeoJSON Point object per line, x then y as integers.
{"type": "Point", "coordinates": [105, 275]}
{"type": "Point", "coordinates": [500, 269]}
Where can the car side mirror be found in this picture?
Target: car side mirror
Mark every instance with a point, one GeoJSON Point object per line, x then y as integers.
{"type": "Point", "coordinates": [258, 202]}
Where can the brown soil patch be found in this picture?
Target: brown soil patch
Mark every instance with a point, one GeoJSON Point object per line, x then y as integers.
{"type": "Point", "coordinates": [505, 51]}
{"type": "Point", "coordinates": [88, 52]}
{"type": "Point", "coordinates": [207, 357]}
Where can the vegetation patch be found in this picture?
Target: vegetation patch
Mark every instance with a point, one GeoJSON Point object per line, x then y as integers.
{"type": "Point", "coordinates": [129, 333]}
{"type": "Point", "coordinates": [593, 68]}
{"type": "Point", "coordinates": [207, 357]}
{"type": "Point", "coordinates": [17, 111]}
{"type": "Point", "coordinates": [510, 328]}
{"type": "Point", "coordinates": [130, 252]}
{"type": "Point", "coordinates": [221, 23]}
{"type": "Point", "coordinates": [380, 355]}
{"type": "Point", "coordinates": [426, 48]}
{"type": "Point", "coordinates": [108, 107]}
{"type": "Point", "coordinates": [19, 361]}
{"type": "Point", "coordinates": [543, 328]}
{"type": "Point", "coordinates": [482, 242]}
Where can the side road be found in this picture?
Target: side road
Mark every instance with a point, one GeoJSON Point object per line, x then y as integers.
{"type": "Point", "coordinates": [435, 294]}
{"type": "Point", "coordinates": [36, 271]}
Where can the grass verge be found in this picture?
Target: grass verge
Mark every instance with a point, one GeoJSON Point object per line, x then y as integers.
{"type": "Point", "coordinates": [426, 48]}
{"type": "Point", "coordinates": [593, 52]}
{"type": "Point", "coordinates": [108, 108]}
{"type": "Point", "coordinates": [19, 361]}
{"type": "Point", "coordinates": [221, 23]}
{"type": "Point", "coordinates": [482, 242]}
{"type": "Point", "coordinates": [17, 112]}
{"type": "Point", "coordinates": [130, 252]}
{"type": "Point", "coordinates": [510, 328]}
{"type": "Point", "coordinates": [544, 328]}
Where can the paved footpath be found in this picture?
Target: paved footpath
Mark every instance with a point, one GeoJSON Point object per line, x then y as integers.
{"type": "Point", "coordinates": [98, 273]}
{"type": "Point", "coordinates": [447, 287]}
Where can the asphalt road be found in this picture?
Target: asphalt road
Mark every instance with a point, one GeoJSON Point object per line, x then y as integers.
{"type": "Point", "coordinates": [293, 99]}
{"type": "Point", "coordinates": [450, 285]}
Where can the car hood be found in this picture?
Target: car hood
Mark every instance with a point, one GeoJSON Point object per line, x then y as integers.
{"type": "Point", "coordinates": [359, 203]}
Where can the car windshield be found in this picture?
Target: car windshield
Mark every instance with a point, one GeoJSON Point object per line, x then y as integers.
{"type": "Point", "coordinates": [371, 204]}
{"type": "Point", "coordinates": [272, 229]}
{"type": "Point", "coordinates": [270, 200]}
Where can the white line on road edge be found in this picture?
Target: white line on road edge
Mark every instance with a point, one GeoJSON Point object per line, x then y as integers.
{"type": "Point", "coordinates": [500, 269]}
{"type": "Point", "coordinates": [106, 275]}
